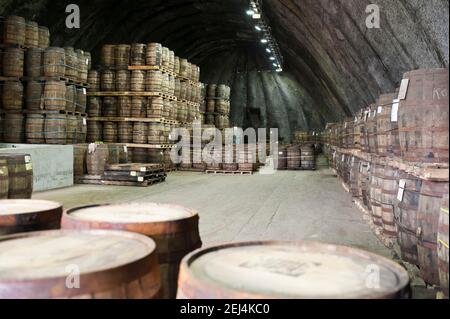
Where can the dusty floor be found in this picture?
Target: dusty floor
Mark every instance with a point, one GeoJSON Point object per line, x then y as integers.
{"type": "Point", "coordinates": [284, 206]}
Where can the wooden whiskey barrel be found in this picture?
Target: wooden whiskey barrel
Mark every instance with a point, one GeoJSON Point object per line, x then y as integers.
{"type": "Point", "coordinates": [72, 63]}
{"type": "Point", "coordinates": [94, 131]}
{"type": "Point", "coordinates": [364, 184]}
{"type": "Point", "coordinates": [94, 81]}
{"type": "Point", "coordinates": [141, 155]}
{"type": "Point", "coordinates": [354, 175]}
{"type": "Point", "coordinates": [423, 117]}
{"type": "Point", "coordinates": [406, 210]}
{"type": "Point", "coordinates": [81, 100]}
{"type": "Point", "coordinates": [55, 96]}
{"type": "Point", "coordinates": [155, 107]}
{"type": "Point", "coordinates": [14, 128]}
{"type": "Point", "coordinates": [153, 54]}
{"type": "Point", "coordinates": [389, 192]}
{"type": "Point", "coordinates": [71, 98]}
{"type": "Point", "coordinates": [83, 59]}
{"type": "Point", "coordinates": [34, 62]}
{"type": "Point", "coordinates": [72, 129]}
{"type": "Point", "coordinates": [44, 37]}
{"type": "Point", "coordinates": [82, 129]}
{"type": "Point", "coordinates": [124, 106]}
{"type": "Point", "coordinates": [32, 34]}
{"type": "Point", "coordinates": [386, 129]}
{"type": "Point", "coordinates": [137, 81]}
{"type": "Point", "coordinates": [376, 184]}
{"type": "Point", "coordinates": [123, 81]}
{"type": "Point", "coordinates": [443, 243]}
{"type": "Point", "coordinates": [184, 72]}
{"type": "Point", "coordinates": [12, 95]}
{"type": "Point", "coordinates": [271, 270]}
{"type": "Point", "coordinates": [125, 132]}
{"type": "Point", "coordinates": [371, 126]}
{"type": "Point", "coordinates": [176, 65]}
{"type": "Point", "coordinates": [107, 55]}
{"type": "Point", "coordinates": [26, 215]}
{"type": "Point", "coordinates": [155, 133]}
{"type": "Point", "coordinates": [34, 95]}
{"type": "Point", "coordinates": [35, 132]}
{"type": "Point", "coordinates": [13, 62]}
{"type": "Point", "coordinates": [110, 107]}
{"type": "Point", "coordinates": [140, 131]}
{"type": "Point", "coordinates": [14, 30]}
{"type": "Point", "coordinates": [138, 51]}
{"type": "Point", "coordinates": [154, 81]}
{"type": "Point", "coordinates": [430, 199]}
{"type": "Point", "coordinates": [293, 158]}
{"type": "Point", "coordinates": [4, 179]}
{"type": "Point", "coordinates": [55, 128]}
{"type": "Point", "coordinates": [138, 107]}
{"type": "Point", "coordinates": [307, 157]}
{"type": "Point", "coordinates": [108, 83]}
{"type": "Point", "coordinates": [20, 175]}
{"type": "Point", "coordinates": [54, 62]}
{"type": "Point", "coordinates": [174, 229]}
{"type": "Point", "coordinates": [97, 159]}
{"type": "Point", "coordinates": [79, 159]}
{"type": "Point", "coordinates": [110, 130]}
{"type": "Point", "coordinates": [94, 108]}
{"type": "Point", "coordinates": [122, 55]}
{"type": "Point", "coordinates": [108, 264]}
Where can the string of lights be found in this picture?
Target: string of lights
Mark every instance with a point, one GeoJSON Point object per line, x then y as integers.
{"type": "Point", "coordinates": [270, 44]}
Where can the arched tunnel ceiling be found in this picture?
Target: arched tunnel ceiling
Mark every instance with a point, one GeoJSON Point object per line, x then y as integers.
{"type": "Point", "coordinates": [334, 64]}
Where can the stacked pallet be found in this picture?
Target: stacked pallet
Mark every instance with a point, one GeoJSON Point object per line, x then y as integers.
{"type": "Point", "coordinates": [138, 95]}
{"type": "Point", "coordinates": [305, 137]}
{"type": "Point", "coordinates": [218, 105]}
{"type": "Point", "coordinates": [43, 91]}
{"type": "Point", "coordinates": [393, 158]}
{"type": "Point", "coordinates": [297, 157]}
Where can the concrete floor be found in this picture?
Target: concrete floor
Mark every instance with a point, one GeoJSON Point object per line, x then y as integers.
{"type": "Point", "coordinates": [284, 206]}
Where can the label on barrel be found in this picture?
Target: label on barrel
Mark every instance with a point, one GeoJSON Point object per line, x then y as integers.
{"type": "Point", "coordinates": [133, 174]}
{"type": "Point", "coordinates": [343, 158]}
{"type": "Point", "coordinates": [87, 61]}
{"type": "Point", "coordinates": [125, 149]}
{"type": "Point", "coordinates": [84, 91]}
{"type": "Point", "coordinates": [403, 89]}
{"type": "Point", "coordinates": [29, 166]}
{"type": "Point", "coordinates": [353, 161]}
{"type": "Point", "coordinates": [27, 159]}
{"type": "Point", "coordinates": [394, 112]}
{"type": "Point", "coordinates": [140, 179]}
{"type": "Point", "coordinates": [380, 109]}
{"type": "Point", "coordinates": [143, 169]}
{"type": "Point", "coordinates": [2, 172]}
{"type": "Point", "coordinates": [401, 190]}
{"type": "Point", "coordinates": [84, 121]}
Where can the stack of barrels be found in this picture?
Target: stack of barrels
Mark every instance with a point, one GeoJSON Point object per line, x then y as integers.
{"type": "Point", "coordinates": [16, 176]}
{"type": "Point", "coordinates": [126, 71]}
{"type": "Point", "coordinates": [44, 95]}
{"type": "Point", "coordinates": [296, 157]}
{"type": "Point", "coordinates": [129, 251]}
{"type": "Point", "coordinates": [218, 105]}
{"type": "Point", "coordinates": [396, 141]}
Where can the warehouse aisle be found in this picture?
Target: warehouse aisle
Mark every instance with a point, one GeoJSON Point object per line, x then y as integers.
{"type": "Point", "coordinates": [285, 206]}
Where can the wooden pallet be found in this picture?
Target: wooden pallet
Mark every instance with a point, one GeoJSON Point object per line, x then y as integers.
{"type": "Point", "coordinates": [222, 172]}
{"type": "Point", "coordinates": [134, 119]}
{"type": "Point", "coordinates": [164, 70]}
{"type": "Point", "coordinates": [137, 167]}
{"type": "Point", "coordinates": [151, 146]}
{"type": "Point", "coordinates": [98, 180]}
{"type": "Point", "coordinates": [45, 112]}
{"type": "Point", "coordinates": [129, 93]}
{"type": "Point", "coordinates": [10, 45]}
{"type": "Point", "coordinates": [193, 170]}
{"type": "Point", "coordinates": [67, 80]}
{"type": "Point", "coordinates": [297, 169]}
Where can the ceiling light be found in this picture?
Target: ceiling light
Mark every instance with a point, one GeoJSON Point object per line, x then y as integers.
{"type": "Point", "coordinates": [268, 50]}
{"type": "Point", "coordinates": [250, 12]}
{"type": "Point", "coordinates": [256, 16]}
{"type": "Point", "coordinates": [272, 58]}
{"type": "Point", "coordinates": [275, 65]}
{"type": "Point", "coordinates": [257, 28]}
{"type": "Point", "coordinates": [264, 41]}
{"type": "Point", "coordinates": [279, 70]}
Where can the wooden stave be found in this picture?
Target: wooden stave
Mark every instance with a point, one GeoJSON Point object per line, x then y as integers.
{"type": "Point", "coordinates": [4, 179]}
{"type": "Point", "coordinates": [443, 244]}
{"type": "Point", "coordinates": [35, 129]}
{"type": "Point", "coordinates": [94, 285]}
{"type": "Point", "coordinates": [18, 169]}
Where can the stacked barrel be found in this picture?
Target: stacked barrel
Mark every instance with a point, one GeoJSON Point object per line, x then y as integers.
{"type": "Point", "coordinates": [393, 157]}
{"type": "Point", "coordinates": [218, 106]}
{"type": "Point", "coordinates": [43, 88]}
{"type": "Point", "coordinates": [138, 95]}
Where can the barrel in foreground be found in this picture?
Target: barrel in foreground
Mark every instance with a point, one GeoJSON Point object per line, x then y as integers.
{"type": "Point", "coordinates": [279, 270]}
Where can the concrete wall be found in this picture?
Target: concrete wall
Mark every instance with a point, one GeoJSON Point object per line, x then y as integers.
{"type": "Point", "coordinates": [52, 164]}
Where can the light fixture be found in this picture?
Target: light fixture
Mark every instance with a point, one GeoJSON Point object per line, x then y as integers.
{"type": "Point", "coordinates": [279, 70]}
{"type": "Point", "coordinates": [264, 41]}
{"type": "Point", "coordinates": [256, 16]}
{"type": "Point", "coordinates": [272, 58]}
{"type": "Point", "coordinates": [268, 50]}
{"type": "Point", "coordinates": [250, 12]}
{"type": "Point", "coordinates": [275, 65]}
{"type": "Point", "coordinates": [258, 28]}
